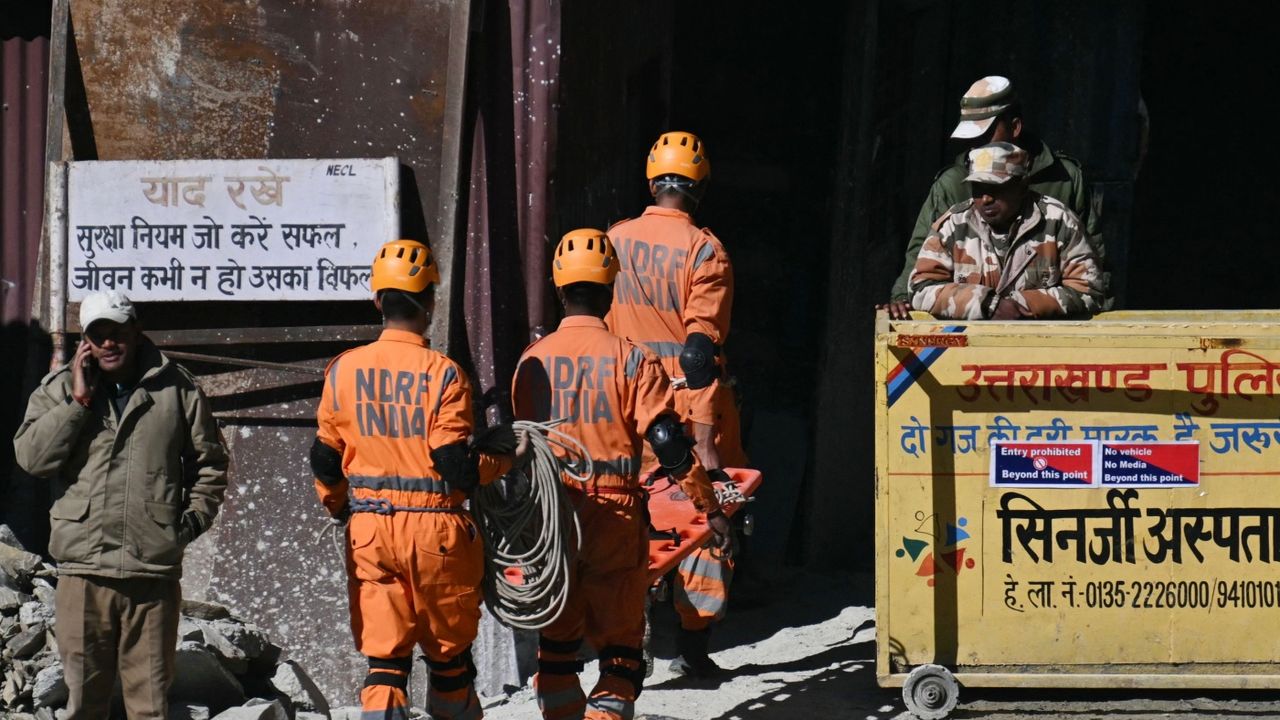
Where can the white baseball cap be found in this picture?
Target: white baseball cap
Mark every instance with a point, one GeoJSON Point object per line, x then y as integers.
{"type": "Point", "coordinates": [112, 305]}
{"type": "Point", "coordinates": [982, 104]}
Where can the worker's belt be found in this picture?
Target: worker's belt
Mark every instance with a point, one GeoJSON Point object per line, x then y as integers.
{"type": "Point", "coordinates": [627, 468]}
{"type": "Point", "coordinates": [665, 349]}
{"type": "Point", "coordinates": [385, 507]}
{"type": "Point", "coordinates": [396, 482]}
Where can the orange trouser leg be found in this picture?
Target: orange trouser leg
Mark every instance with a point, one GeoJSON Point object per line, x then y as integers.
{"type": "Point", "coordinates": [415, 579]}
{"type": "Point", "coordinates": [381, 616]}
{"type": "Point", "coordinates": [559, 693]}
{"type": "Point", "coordinates": [701, 592]}
{"type": "Point", "coordinates": [446, 571]}
{"type": "Point", "coordinates": [614, 581]}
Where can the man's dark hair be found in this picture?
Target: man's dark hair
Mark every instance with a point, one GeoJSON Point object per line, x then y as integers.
{"type": "Point", "coordinates": [401, 305]}
{"type": "Point", "coordinates": [593, 296]}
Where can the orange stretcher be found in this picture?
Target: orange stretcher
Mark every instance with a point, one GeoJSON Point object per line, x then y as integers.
{"type": "Point", "coordinates": [679, 528]}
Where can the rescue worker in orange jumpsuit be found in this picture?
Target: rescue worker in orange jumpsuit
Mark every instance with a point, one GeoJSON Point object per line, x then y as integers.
{"type": "Point", "coordinates": [615, 396]}
{"type": "Point", "coordinates": [674, 294]}
{"type": "Point", "coordinates": [391, 461]}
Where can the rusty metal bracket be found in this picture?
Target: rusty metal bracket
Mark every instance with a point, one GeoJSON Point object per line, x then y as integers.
{"type": "Point", "coordinates": [260, 335]}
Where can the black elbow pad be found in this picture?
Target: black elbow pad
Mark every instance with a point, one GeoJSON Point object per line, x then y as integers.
{"type": "Point", "coordinates": [698, 361]}
{"type": "Point", "coordinates": [672, 447]}
{"type": "Point", "coordinates": [456, 466]}
{"type": "Point", "coordinates": [326, 463]}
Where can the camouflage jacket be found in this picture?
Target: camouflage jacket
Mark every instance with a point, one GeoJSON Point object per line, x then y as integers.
{"type": "Point", "coordinates": [1052, 173]}
{"type": "Point", "coordinates": [1050, 268]}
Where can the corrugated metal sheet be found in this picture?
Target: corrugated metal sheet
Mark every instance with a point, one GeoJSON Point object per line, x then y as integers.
{"type": "Point", "coordinates": [24, 73]}
{"type": "Point", "coordinates": [24, 69]}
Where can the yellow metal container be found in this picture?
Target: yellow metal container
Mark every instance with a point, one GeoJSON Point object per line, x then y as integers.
{"type": "Point", "coordinates": [1078, 504]}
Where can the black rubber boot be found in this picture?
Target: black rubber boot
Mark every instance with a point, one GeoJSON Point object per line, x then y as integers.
{"type": "Point", "coordinates": [693, 660]}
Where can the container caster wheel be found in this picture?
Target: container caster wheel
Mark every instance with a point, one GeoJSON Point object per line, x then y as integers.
{"type": "Point", "coordinates": [930, 692]}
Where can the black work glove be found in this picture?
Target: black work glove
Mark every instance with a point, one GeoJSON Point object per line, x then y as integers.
{"type": "Point", "coordinates": [191, 526]}
{"type": "Point", "coordinates": [503, 441]}
{"type": "Point", "coordinates": [456, 465]}
{"type": "Point", "coordinates": [341, 517]}
{"type": "Point", "coordinates": [496, 440]}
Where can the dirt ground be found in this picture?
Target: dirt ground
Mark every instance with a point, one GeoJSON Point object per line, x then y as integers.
{"type": "Point", "coordinates": [805, 649]}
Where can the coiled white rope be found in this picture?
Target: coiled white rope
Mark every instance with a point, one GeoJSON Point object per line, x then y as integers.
{"type": "Point", "coordinates": [529, 528]}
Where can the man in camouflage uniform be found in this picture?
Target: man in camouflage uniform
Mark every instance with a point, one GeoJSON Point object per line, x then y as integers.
{"type": "Point", "coordinates": [1008, 252]}
{"type": "Point", "coordinates": [990, 112]}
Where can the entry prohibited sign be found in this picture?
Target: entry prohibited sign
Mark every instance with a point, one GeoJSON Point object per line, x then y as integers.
{"type": "Point", "coordinates": [1045, 464]}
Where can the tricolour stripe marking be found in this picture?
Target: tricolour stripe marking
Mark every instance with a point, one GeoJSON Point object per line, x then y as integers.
{"type": "Point", "coordinates": [915, 364]}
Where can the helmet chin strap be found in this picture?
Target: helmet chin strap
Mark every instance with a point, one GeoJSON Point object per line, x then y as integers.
{"type": "Point", "coordinates": [680, 185]}
{"type": "Point", "coordinates": [409, 296]}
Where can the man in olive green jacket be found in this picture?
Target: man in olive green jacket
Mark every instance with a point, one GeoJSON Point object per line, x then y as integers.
{"type": "Point", "coordinates": [138, 469]}
{"type": "Point", "coordinates": [990, 112]}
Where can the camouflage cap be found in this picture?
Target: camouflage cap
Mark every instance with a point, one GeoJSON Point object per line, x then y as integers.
{"type": "Point", "coordinates": [980, 106]}
{"type": "Point", "coordinates": [996, 164]}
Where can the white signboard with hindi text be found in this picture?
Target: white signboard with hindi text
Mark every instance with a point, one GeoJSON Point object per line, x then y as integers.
{"type": "Point", "coordinates": [229, 229]}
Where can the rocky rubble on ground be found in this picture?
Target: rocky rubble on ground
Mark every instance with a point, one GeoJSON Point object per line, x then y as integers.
{"type": "Point", "coordinates": [227, 669]}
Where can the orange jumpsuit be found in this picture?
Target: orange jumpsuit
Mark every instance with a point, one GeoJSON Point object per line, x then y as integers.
{"type": "Point", "coordinates": [414, 556]}
{"type": "Point", "coordinates": [676, 279]}
{"type": "Point", "coordinates": [611, 391]}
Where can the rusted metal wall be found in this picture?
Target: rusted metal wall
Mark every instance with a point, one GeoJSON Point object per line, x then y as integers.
{"type": "Point", "coordinates": [24, 62]}
{"type": "Point", "coordinates": [276, 79]}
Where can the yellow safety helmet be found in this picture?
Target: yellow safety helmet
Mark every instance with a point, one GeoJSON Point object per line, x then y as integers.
{"type": "Point", "coordinates": [584, 255]}
{"type": "Point", "coordinates": [678, 153]}
{"type": "Point", "coordinates": [404, 265]}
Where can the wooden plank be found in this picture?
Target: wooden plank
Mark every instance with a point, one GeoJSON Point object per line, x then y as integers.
{"type": "Point", "coordinates": [55, 314]}
{"type": "Point", "coordinates": [450, 222]}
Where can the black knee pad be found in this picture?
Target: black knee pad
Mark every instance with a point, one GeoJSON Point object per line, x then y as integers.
{"type": "Point", "coordinates": [635, 675]}
{"type": "Point", "coordinates": [326, 463]}
{"type": "Point", "coordinates": [560, 647]}
{"type": "Point", "coordinates": [378, 676]}
{"type": "Point", "coordinates": [563, 647]}
{"type": "Point", "coordinates": [450, 683]}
